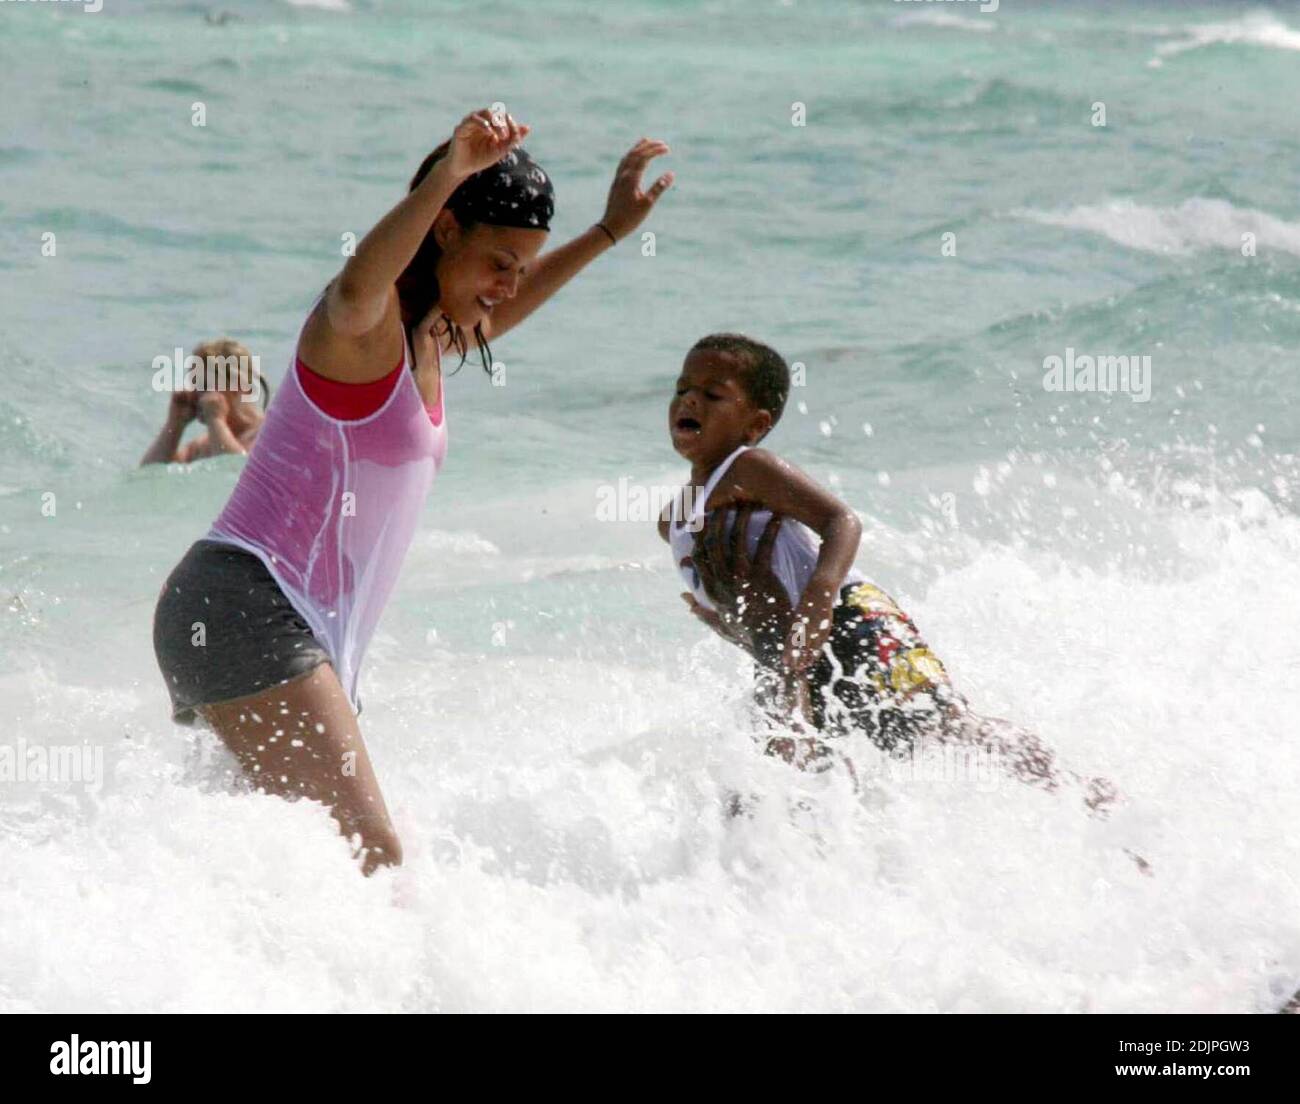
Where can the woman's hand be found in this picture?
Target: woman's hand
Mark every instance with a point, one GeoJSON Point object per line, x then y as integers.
{"type": "Point", "coordinates": [212, 405]}
{"type": "Point", "coordinates": [181, 410]}
{"type": "Point", "coordinates": [480, 140]}
{"type": "Point", "coordinates": [628, 205]}
{"type": "Point", "coordinates": [183, 407]}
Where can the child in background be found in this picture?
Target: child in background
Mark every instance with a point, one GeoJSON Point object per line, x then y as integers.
{"type": "Point", "coordinates": [232, 419]}
{"type": "Point", "coordinates": [835, 652]}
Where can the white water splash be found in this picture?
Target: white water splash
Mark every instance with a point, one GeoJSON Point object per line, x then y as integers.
{"type": "Point", "coordinates": [566, 850]}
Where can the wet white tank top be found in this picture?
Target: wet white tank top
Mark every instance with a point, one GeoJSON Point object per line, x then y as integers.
{"type": "Point", "coordinates": [794, 556]}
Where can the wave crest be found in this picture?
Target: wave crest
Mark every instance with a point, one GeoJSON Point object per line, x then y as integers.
{"type": "Point", "coordinates": [1195, 224]}
{"type": "Point", "coordinates": [1255, 29]}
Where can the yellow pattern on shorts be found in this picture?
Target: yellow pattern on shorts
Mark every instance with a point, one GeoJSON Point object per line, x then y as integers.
{"type": "Point", "coordinates": [910, 669]}
{"type": "Point", "coordinates": [916, 669]}
{"type": "Point", "coordinates": [872, 601]}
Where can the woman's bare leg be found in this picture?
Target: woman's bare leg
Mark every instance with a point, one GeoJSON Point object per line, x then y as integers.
{"type": "Point", "coordinates": [301, 739]}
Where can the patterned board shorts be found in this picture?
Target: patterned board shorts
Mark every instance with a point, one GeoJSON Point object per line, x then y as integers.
{"type": "Point", "coordinates": [877, 676]}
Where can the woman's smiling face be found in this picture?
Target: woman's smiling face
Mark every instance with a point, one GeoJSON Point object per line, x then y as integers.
{"type": "Point", "coordinates": [481, 267]}
{"type": "Point", "coordinates": [711, 413]}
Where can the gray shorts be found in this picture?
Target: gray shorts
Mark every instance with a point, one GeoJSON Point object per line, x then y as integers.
{"type": "Point", "coordinates": [251, 637]}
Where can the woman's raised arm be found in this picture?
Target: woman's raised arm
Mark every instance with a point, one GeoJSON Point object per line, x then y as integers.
{"type": "Point", "coordinates": [625, 209]}
{"type": "Point", "coordinates": [358, 299]}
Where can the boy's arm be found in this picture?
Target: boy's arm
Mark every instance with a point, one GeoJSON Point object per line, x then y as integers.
{"type": "Point", "coordinates": [758, 476]}
{"type": "Point", "coordinates": [780, 697]}
{"type": "Point", "coordinates": [784, 700]}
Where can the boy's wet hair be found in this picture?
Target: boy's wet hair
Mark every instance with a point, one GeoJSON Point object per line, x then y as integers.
{"type": "Point", "coordinates": [764, 374]}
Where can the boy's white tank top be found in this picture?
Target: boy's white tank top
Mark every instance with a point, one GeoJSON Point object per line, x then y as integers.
{"type": "Point", "coordinates": [793, 556]}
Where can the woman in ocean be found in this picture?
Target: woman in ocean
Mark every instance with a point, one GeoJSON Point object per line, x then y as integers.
{"type": "Point", "coordinates": [262, 627]}
{"type": "Point", "coordinates": [232, 418]}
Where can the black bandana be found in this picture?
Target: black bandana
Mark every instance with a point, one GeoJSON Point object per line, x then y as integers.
{"type": "Point", "coordinates": [513, 192]}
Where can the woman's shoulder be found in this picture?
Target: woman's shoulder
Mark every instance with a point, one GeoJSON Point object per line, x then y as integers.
{"type": "Point", "coordinates": [351, 357]}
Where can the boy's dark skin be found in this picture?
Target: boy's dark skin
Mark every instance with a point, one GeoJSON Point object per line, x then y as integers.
{"type": "Point", "coordinates": [758, 617]}
{"type": "Point", "coordinates": [710, 416]}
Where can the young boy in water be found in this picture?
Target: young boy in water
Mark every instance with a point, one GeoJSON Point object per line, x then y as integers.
{"type": "Point", "coordinates": [835, 652]}
{"type": "Point", "coordinates": [835, 648]}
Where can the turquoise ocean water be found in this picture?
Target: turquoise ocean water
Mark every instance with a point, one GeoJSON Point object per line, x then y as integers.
{"type": "Point", "coordinates": [1118, 572]}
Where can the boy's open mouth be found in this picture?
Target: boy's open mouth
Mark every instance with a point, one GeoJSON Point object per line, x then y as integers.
{"type": "Point", "coordinates": [687, 425]}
